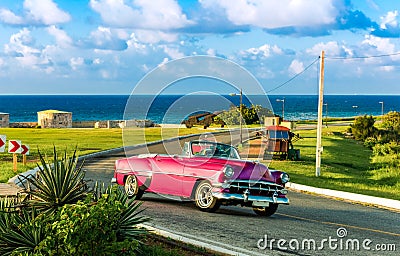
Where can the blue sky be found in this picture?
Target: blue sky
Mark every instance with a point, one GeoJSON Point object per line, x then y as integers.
{"type": "Point", "coordinates": [108, 46]}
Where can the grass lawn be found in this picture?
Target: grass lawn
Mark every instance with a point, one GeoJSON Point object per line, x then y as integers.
{"type": "Point", "coordinates": [85, 140]}
{"type": "Point", "coordinates": [345, 166]}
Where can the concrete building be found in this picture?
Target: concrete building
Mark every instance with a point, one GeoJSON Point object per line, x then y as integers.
{"type": "Point", "coordinates": [4, 120]}
{"type": "Point", "coordinates": [54, 119]}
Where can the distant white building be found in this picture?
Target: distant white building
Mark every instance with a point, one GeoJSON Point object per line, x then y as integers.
{"type": "Point", "coordinates": [54, 119]}
{"type": "Point", "coordinates": [4, 120]}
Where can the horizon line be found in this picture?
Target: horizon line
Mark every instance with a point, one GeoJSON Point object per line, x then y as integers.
{"type": "Point", "coordinates": [144, 94]}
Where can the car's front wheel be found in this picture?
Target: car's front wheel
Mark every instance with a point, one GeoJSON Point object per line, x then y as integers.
{"type": "Point", "coordinates": [132, 187]}
{"type": "Point", "coordinates": [266, 211]}
{"type": "Point", "coordinates": [204, 199]}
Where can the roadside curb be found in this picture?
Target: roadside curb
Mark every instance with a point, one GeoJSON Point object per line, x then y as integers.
{"type": "Point", "coordinates": [210, 245]}
{"type": "Point", "coordinates": [376, 201]}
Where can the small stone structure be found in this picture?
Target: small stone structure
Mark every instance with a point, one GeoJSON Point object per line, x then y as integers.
{"type": "Point", "coordinates": [54, 119]}
{"type": "Point", "coordinates": [4, 120]}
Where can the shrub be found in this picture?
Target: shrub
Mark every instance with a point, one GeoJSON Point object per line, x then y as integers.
{"type": "Point", "coordinates": [370, 142]}
{"type": "Point", "coordinates": [251, 115]}
{"type": "Point", "coordinates": [363, 128]}
{"type": "Point", "coordinates": [94, 228]}
{"type": "Point", "coordinates": [386, 149]}
{"type": "Point", "coordinates": [391, 121]}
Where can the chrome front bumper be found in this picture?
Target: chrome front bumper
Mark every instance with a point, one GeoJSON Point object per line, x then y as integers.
{"type": "Point", "coordinates": [249, 198]}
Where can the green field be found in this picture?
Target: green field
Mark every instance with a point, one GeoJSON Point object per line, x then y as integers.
{"type": "Point", "coordinates": [346, 166]}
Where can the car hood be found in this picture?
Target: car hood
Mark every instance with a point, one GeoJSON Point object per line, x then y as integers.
{"type": "Point", "coordinates": [244, 170]}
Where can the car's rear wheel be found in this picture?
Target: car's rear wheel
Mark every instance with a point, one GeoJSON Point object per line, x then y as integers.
{"type": "Point", "coordinates": [204, 199]}
{"type": "Point", "coordinates": [132, 187]}
{"type": "Point", "coordinates": [266, 211]}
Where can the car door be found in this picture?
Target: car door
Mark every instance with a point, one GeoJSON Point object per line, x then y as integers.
{"type": "Point", "coordinates": [167, 175]}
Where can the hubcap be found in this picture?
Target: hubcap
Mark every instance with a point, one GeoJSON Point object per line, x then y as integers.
{"type": "Point", "coordinates": [204, 196]}
{"type": "Point", "coordinates": [130, 185]}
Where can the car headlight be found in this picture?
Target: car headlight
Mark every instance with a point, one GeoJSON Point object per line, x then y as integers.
{"type": "Point", "coordinates": [228, 171]}
{"type": "Point", "coordinates": [285, 177]}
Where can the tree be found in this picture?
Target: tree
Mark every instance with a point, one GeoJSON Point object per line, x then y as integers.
{"type": "Point", "coordinates": [363, 128]}
{"type": "Point", "coordinates": [391, 121]}
{"type": "Point", "coordinates": [251, 115]}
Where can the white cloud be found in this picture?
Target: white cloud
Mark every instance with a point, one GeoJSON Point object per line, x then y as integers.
{"type": "Point", "coordinates": [382, 45]}
{"type": "Point", "coordinates": [45, 12]}
{"type": "Point", "coordinates": [152, 37]}
{"type": "Point", "coordinates": [264, 72]}
{"type": "Point", "coordinates": [331, 48]}
{"type": "Point", "coordinates": [9, 17]}
{"type": "Point", "coordinates": [174, 53]}
{"type": "Point", "coordinates": [387, 68]}
{"type": "Point", "coordinates": [162, 64]}
{"type": "Point", "coordinates": [275, 14]}
{"type": "Point", "coordinates": [61, 36]}
{"type": "Point", "coordinates": [133, 43]}
{"type": "Point", "coordinates": [104, 38]}
{"type": "Point", "coordinates": [144, 14]}
{"type": "Point", "coordinates": [296, 67]}
{"type": "Point", "coordinates": [36, 12]}
{"type": "Point", "coordinates": [20, 47]}
{"type": "Point", "coordinates": [97, 61]}
{"type": "Point", "coordinates": [211, 52]}
{"type": "Point", "coordinates": [75, 63]}
{"type": "Point", "coordinates": [263, 52]}
{"type": "Point", "coordinates": [389, 20]}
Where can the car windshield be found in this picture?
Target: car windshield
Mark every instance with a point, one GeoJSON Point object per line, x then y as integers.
{"type": "Point", "coordinates": [211, 149]}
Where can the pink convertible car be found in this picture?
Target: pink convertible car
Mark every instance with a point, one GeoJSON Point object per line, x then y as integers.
{"type": "Point", "coordinates": [210, 173]}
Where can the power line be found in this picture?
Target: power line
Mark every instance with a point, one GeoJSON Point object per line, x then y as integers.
{"type": "Point", "coordinates": [332, 58]}
{"type": "Point", "coordinates": [294, 77]}
{"type": "Point", "coordinates": [364, 57]}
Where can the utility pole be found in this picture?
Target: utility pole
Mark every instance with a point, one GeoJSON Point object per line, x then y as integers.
{"type": "Point", "coordinates": [320, 109]}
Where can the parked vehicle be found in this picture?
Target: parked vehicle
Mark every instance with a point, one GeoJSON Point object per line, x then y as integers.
{"type": "Point", "coordinates": [210, 173]}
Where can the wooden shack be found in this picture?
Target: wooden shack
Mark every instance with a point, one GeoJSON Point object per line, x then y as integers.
{"type": "Point", "coordinates": [54, 119]}
{"type": "Point", "coordinates": [278, 139]}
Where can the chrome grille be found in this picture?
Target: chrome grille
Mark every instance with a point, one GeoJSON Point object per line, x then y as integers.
{"type": "Point", "coordinates": [253, 186]}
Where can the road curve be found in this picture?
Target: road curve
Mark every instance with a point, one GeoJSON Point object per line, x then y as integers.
{"type": "Point", "coordinates": [310, 225]}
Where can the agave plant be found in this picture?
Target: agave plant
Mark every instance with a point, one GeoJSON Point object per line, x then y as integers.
{"type": "Point", "coordinates": [56, 184]}
{"type": "Point", "coordinates": [20, 231]}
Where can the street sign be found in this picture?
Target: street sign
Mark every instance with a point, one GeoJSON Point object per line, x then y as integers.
{"type": "Point", "coordinates": [3, 143]}
{"type": "Point", "coordinates": [25, 149]}
{"type": "Point", "coordinates": [14, 146]}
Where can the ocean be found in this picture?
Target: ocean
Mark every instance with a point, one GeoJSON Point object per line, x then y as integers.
{"type": "Point", "coordinates": [174, 108]}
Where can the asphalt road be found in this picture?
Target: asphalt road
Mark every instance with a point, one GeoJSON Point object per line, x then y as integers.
{"type": "Point", "coordinates": [310, 225]}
